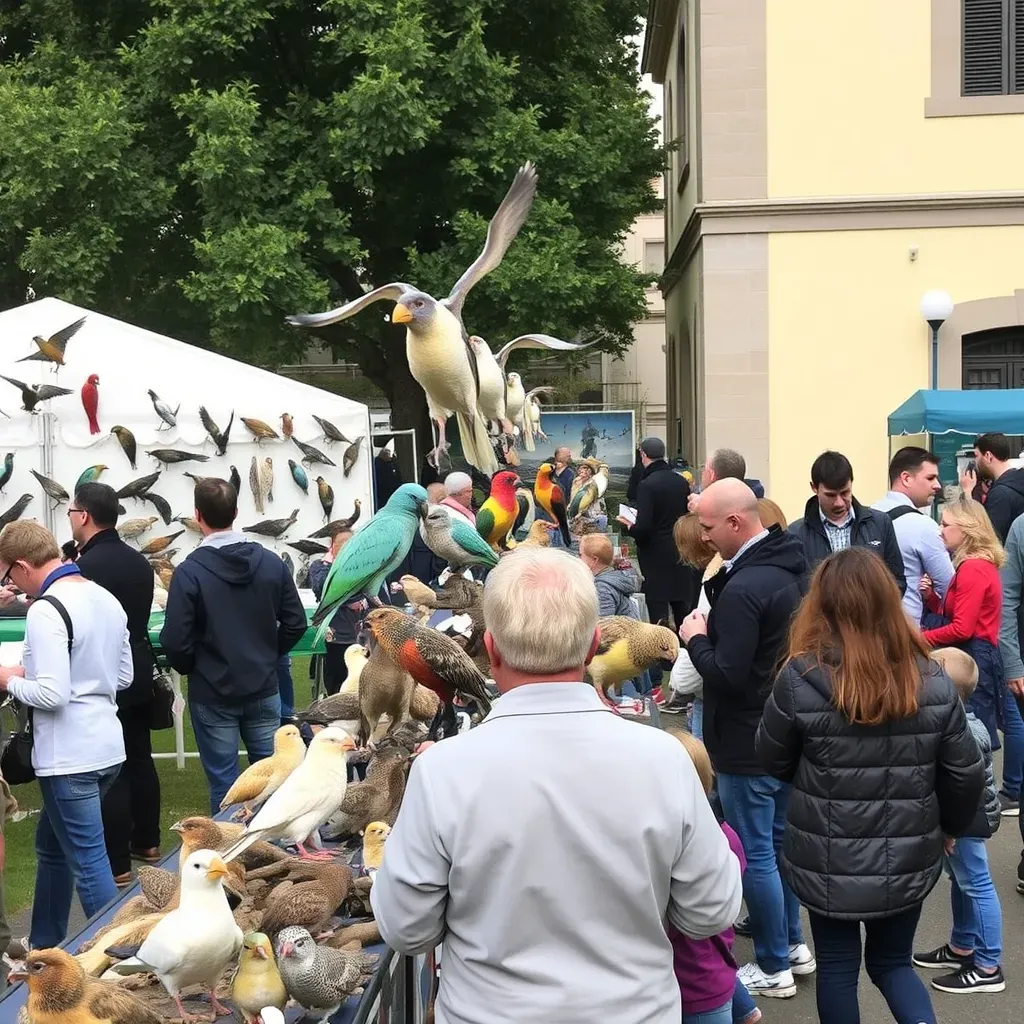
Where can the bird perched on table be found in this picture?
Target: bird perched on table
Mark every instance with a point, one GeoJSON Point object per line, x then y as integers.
{"type": "Point", "coordinates": [90, 475]}
{"type": "Point", "coordinates": [59, 992]}
{"type": "Point", "coordinates": [593, 490]}
{"type": "Point", "coordinates": [273, 527]}
{"type": "Point", "coordinates": [260, 430]}
{"type": "Point", "coordinates": [374, 837]}
{"type": "Point", "coordinates": [318, 977]}
{"type": "Point", "coordinates": [551, 498]}
{"type": "Point", "coordinates": [355, 656]}
{"type": "Point", "coordinates": [627, 647]}
{"type": "Point", "coordinates": [255, 484]}
{"type": "Point", "coordinates": [217, 436]}
{"type": "Point", "coordinates": [5, 473]}
{"type": "Point", "coordinates": [305, 800]}
{"type": "Point", "coordinates": [371, 555]}
{"type": "Point", "coordinates": [257, 983]}
{"type": "Point", "coordinates": [32, 394]}
{"type": "Point", "coordinates": [498, 513]}
{"type": "Point", "coordinates": [132, 528]}
{"type": "Point", "coordinates": [340, 524]}
{"type": "Point", "coordinates": [158, 544]}
{"type": "Point", "coordinates": [126, 439]}
{"type": "Point", "coordinates": [385, 688]}
{"type": "Point", "coordinates": [235, 480]}
{"type": "Point", "coordinates": [437, 346]}
{"type": "Point", "coordinates": [91, 401]}
{"type": "Point", "coordinates": [51, 487]}
{"type": "Point", "coordinates": [255, 785]}
{"type": "Point", "coordinates": [319, 891]}
{"type": "Point", "coordinates": [311, 455]}
{"type": "Point", "coordinates": [15, 511]}
{"type": "Point", "coordinates": [432, 659]}
{"type": "Point", "coordinates": [192, 944]}
{"type": "Point", "coordinates": [171, 456]}
{"type": "Point", "coordinates": [378, 797]}
{"type": "Point", "coordinates": [326, 493]}
{"type": "Point", "coordinates": [52, 349]}
{"type": "Point", "coordinates": [168, 415]}
{"type": "Point", "coordinates": [450, 537]}
{"type": "Point", "coordinates": [330, 431]}
{"type": "Point", "coordinates": [267, 478]}
{"type": "Point", "coordinates": [299, 476]}
{"type": "Point", "coordinates": [539, 534]}
{"type": "Point", "coordinates": [139, 486]}
{"type": "Point", "coordinates": [198, 833]}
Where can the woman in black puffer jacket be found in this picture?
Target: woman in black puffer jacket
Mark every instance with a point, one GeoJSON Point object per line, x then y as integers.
{"type": "Point", "coordinates": [873, 738]}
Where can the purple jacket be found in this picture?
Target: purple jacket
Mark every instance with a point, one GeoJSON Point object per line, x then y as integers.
{"type": "Point", "coordinates": [705, 968]}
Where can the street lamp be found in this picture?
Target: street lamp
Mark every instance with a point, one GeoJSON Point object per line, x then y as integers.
{"type": "Point", "coordinates": [936, 306]}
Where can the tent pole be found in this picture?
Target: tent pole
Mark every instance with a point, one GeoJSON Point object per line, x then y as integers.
{"type": "Point", "coordinates": [46, 427]}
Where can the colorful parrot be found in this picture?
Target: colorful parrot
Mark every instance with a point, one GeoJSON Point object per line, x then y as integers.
{"type": "Point", "coordinates": [550, 498]}
{"type": "Point", "coordinates": [450, 537]}
{"type": "Point", "coordinates": [91, 401]}
{"type": "Point", "coordinates": [433, 659]}
{"type": "Point", "coordinates": [371, 555]}
{"type": "Point", "coordinates": [498, 513]}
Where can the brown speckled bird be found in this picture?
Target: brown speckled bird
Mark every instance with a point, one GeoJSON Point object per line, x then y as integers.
{"type": "Point", "coordinates": [198, 833]}
{"type": "Point", "coordinates": [330, 431]}
{"type": "Point", "coordinates": [259, 430]}
{"type": "Point", "coordinates": [132, 528]}
{"type": "Point", "coordinates": [287, 424]}
{"type": "Point", "coordinates": [312, 902]}
{"type": "Point", "coordinates": [158, 544]}
{"type": "Point", "coordinates": [385, 688]}
{"type": "Point", "coordinates": [378, 797]}
{"type": "Point", "coordinates": [462, 597]}
{"type": "Point", "coordinates": [255, 785]}
{"type": "Point", "coordinates": [432, 659]}
{"type": "Point", "coordinates": [626, 648]}
{"type": "Point", "coordinates": [61, 993]}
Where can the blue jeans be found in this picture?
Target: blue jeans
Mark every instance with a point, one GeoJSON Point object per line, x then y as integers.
{"type": "Point", "coordinates": [217, 728]}
{"type": "Point", "coordinates": [285, 686]}
{"type": "Point", "coordinates": [70, 852]}
{"type": "Point", "coordinates": [697, 720]}
{"type": "Point", "coordinates": [1013, 746]}
{"type": "Point", "coordinates": [743, 1004]}
{"type": "Point", "coordinates": [755, 806]}
{"type": "Point", "coordinates": [888, 947]}
{"type": "Point", "coordinates": [977, 915]}
{"type": "Point", "coordinates": [723, 1015]}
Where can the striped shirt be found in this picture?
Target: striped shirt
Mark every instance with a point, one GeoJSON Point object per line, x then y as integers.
{"type": "Point", "coordinates": [838, 534]}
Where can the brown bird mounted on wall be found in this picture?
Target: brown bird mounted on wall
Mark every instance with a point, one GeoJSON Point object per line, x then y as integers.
{"type": "Point", "coordinates": [52, 349]}
{"type": "Point", "coordinates": [260, 430]}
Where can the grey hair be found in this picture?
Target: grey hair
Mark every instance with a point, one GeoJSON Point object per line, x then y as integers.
{"type": "Point", "coordinates": [540, 606]}
{"type": "Point", "coordinates": [727, 464]}
{"type": "Point", "coordinates": [455, 482]}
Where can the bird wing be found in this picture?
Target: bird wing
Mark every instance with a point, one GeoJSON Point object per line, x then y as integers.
{"type": "Point", "coordinates": [467, 538]}
{"type": "Point", "coordinates": [17, 383]}
{"type": "Point", "coordinates": [451, 663]}
{"type": "Point", "coordinates": [530, 395]}
{"type": "Point", "coordinates": [392, 292]}
{"type": "Point", "coordinates": [160, 504]}
{"type": "Point", "coordinates": [65, 334]}
{"type": "Point", "coordinates": [46, 391]}
{"type": "Point", "coordinates": [537, 341]}
{"type": "Point", "coordinates": [485, 520]}
{"type": "Point", "coordinates": [113, 1005]}
{"type": "Point", "coordinates": [613, 629]}
{"type": "Point", "coordinates": [582, 499]}
{"type": "Point", "coordinates": [251, 783]}
{"type": "Point", "coordinates": [505, 224]}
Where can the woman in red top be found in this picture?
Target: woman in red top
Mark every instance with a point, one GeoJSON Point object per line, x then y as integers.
{"type": "Point", "coordinates": [969, 615]}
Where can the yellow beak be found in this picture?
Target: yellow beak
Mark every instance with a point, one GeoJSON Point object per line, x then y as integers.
{"type": "Point", "coordinates": [217, 869]}
{"type": "Point", "coordinates": [400, 314]}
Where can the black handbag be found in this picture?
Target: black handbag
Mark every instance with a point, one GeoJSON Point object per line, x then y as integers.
{"type": "Point", "coordinates": [16, 760]}
{"type": "Point", "coordinates": [161, 707]}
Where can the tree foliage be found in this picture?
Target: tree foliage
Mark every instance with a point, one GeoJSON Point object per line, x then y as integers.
{"type": "Point", "coordinates": [203, 167]}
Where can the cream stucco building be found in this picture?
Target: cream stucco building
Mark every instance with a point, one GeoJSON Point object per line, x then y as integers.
{"type": "Point", "coordinates": [833, 162]}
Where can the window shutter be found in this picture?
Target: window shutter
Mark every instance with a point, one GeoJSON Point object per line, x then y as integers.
{"type": "Point", "coordinates": [1017, 47]}
{"type": "Point", "coordinates": [986, 38]}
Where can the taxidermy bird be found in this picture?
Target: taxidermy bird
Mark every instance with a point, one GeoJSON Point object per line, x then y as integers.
{"type": "Point", "coordinates": [159, 544]}
{"type": "Point", "coordinates": [52, 349]}
{"type": "Point", "coordinates": [273, 527]}
{"type": "Point", "coordinates": [456, 594]}
{"type": "Point", "coordinates": [527, 510]}
{"type": "Point", "coordinates": [498, 513]}
{"type": "Point", "coordinates": [305, 800]}
{"type": "Point", "coordinates": [260, 430]}
{"type": "Point", "coordinates": [308, 547]}
{"type": "Point", "coordinates": [132, 528]}
{"type": "Point", "coordinates": [299, 476]}
{"type": "Point", "coordinates": [137, 487]}
{"type": "Point", "coordinates": [32, 394]}
{"type": "Point", "coordinates": [453, 539]}
{"type": "Point", "coordinates": [170, 456]}
{"type": "Point", "coordinates": [235, 480]}
{"type": "Point", "coordinates": [91, 402]}
{"type": "Point", "coordinates": [255, 484]}
{"type": "Point", "coordinates": [326, 493]}
{"type": "Point", "coordinates": [5, 473]}
{"type": "Point", "coordinates": [319, 891]}
{"type": "Point", "coordinates": [15, 511]}
{"type": "Point", "coordinates": [159, 503]}
{"type": "Point", "coordinates": [90, 475]}
{"type": "Point", "coordinates": [217, 436]}
{"type": "Point", "coordinates": [539, 534]}
{"type": "Point", "coordinates": [195, 942]}
{"type": "Point", "coordinates": [330, 431]}
{"type": "Point", "coordinates": [198, 833]}
{"type": "Point", "coordinates": [340, 524]}
{"type": "Point", "coordinates": [355, 661]}
{"type": "Point", "coordinates": [267, 478]}
{"type": "Point", "coordinates": [189, 523]}
{"type": "Point", "coordinates": [374, 838]}
{"type": "Point", "coordinates": [52, 488]}
{"type": "Point", "coordinates": [551, 498]}
{"type": "Point", "coordinates": [348, 460]}
{"type": "Point", "coordinates": [287, 425]}
{"type": "Point", "coordinates": [437, 345]}
{"type": "Point", "coordinates": [593, 490]}
{"type": "Point", "coordinates": [126, 439]}
{"type": "Point", "coordinates": [627, 647]}
{"type": "Point", "coordinates": [311, 455]}
{"type": "Point", "coordinates": [385, 688]}
{"type": "Point", "coordinates": [371, 555]}
{"type": "Point", "coordinates": [377, 798]}
{"type": "Point", "coordinates": [531, 413]}
{"type": "Point", "coordinates": [163, 410]}
{"type": "Point", "coordinates": [256, 784]}
{"type": "Point", "coordinates": [257, 983]}
{"type": "Point", "coordinates": [60, 993]}
{"type": "Point", "coordinates": [432, 659]}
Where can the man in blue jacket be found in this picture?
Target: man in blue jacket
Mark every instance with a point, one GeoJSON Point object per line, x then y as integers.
{"type": "Point", "coordinates": [232, 612]}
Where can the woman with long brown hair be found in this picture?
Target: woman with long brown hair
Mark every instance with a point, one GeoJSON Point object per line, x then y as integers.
{"type": "Point", "coordinates": [873, 738]}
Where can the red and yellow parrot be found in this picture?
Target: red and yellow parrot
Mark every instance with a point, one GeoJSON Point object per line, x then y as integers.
{"type": "Point", "coordinates": [498, 513]}
{"type": "Point", "coordinates": [550, 497]}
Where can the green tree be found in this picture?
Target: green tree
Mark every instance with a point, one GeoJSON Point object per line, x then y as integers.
{"type": "Point", "coordinates": [203, 167]}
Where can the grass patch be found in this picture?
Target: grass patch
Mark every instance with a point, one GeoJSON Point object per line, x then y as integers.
{"type": "Point", "coordinates": [181, 793]}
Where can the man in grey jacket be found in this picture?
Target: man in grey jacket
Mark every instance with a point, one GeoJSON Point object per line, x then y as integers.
{"type": "Point", "coordinates": [511, 839]}
{"type": "Point", "coordinates": [1012, 574]}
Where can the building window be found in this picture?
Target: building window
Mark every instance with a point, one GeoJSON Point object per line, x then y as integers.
{"type": "Point", "coordinates": [682, 93]}
{"type": "Point", "coordinates": [654, 257]}
{"type": "Point", "coordinates": [993, 47]}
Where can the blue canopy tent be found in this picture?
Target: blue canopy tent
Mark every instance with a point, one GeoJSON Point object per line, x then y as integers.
{"type": "Point", "coordinates": [961, 412]}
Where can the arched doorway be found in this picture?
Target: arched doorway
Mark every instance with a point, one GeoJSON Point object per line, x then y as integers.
{"type": "Point", "coordinates": [993, 360]}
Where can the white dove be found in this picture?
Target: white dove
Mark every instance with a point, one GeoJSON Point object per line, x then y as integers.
{"type": "Point", "coordinates": [306, 799]}
{"type": "Point", "coordinates": [194, 943]}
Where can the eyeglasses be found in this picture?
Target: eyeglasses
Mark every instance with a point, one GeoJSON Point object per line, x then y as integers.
{"type": "Point", "coordinates": [5, 580]}
{"type": "Point", "coordinates": [81, 510]}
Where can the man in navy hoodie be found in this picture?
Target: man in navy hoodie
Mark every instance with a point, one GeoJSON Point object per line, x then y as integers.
{"type": "Point", "coordinates": [232, 612]}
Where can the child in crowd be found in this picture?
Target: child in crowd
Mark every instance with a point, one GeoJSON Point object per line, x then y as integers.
{"type": "Point", "coordinates": [974, 952]}
{"type": "Point", "coordinates": [705, 968]}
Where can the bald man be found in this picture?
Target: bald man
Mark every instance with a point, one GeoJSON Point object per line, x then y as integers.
{"type": "Point", "coordinates": [736, 651]}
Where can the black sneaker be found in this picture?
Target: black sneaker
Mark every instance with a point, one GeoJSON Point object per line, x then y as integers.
{"type": "Point", "coordinates": [676, 706]}
{"type": "Point", "coordinates": [970, 979]}
{"type": "Point", "coordinates": [941, 958]}
{"type": "Point", "coordinates": [1008, 807]}
{"type": "Point", "coordinates": [742, 927]}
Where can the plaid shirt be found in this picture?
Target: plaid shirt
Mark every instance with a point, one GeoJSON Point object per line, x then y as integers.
{"type": "Point", "coordinates": [838, 534]}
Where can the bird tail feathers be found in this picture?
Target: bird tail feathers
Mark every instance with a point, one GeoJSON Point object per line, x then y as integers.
{"type": "Point", "coordinates": [237, 848]}
{"type": "Point", "coordinates": [476, 444]}
{"type": "Point", "coordinates": [528, 441]}
{"type": "Point", "coordinates": [133, 965]}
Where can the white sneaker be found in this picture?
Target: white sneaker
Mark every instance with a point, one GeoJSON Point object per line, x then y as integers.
{"type": "Point", "coordinates": [801, 959]}
{"type": "Point", "coordinates": [776, 986]}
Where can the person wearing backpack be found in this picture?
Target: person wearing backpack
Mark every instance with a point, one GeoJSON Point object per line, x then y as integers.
{"type": "Point", "coordinates": [913, 485]}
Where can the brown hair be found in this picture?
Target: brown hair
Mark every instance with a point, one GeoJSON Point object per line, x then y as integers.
{"type": "Point", "coordinates": [698, 755]}
{"type": "Point", "coordinates": [770, 514]}
{"type": "Point", "coordinates": [852, 623]}
{"type": "Point", "coordinates": [216, 502]}
{"type": "Point", "coordinates": [960, 667]}
{"type": "Point", "coordinates": [27, 541]}
{"type": "Point", "coordinates": [690, 543]}
{"type": "Point", "coordinates": [599, 546]}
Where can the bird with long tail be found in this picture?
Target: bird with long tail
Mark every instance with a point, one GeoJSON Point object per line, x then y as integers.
{"type": "Point", "coordinates": [498, 513]}
{"type": "Point", "coordinates": [551, 498]}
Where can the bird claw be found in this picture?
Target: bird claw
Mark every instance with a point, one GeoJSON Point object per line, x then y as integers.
{"type": "Point", "coordinates": [438, 456]}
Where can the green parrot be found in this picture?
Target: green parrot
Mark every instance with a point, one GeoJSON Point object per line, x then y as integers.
{"type": "Point", "coordinates": [450, 537]}
{"type": "Point", "coordinates": [371, 555]}
{"type": "Point", "coordinates": [90, 475]}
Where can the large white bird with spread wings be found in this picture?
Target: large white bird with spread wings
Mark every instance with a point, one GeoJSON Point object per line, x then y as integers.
{"type": "Point", "coordinates": [436, 342]}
